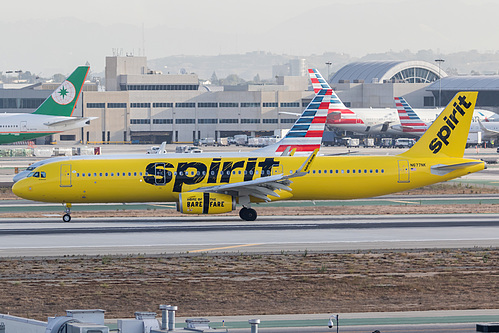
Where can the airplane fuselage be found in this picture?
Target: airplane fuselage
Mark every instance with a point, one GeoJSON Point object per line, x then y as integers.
{"type": "Point", "coordinates": [155, 178]}
{"type": "Point", "coordinates": [25, 126]}
{"type": "Point", "coordinates": [386, 121]}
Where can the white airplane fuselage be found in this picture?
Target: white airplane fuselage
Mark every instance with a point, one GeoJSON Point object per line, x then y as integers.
{"type": "Point", "coordinates": [370, 121]}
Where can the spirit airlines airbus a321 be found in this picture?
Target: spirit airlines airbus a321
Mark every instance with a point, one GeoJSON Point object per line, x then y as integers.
{"type": "Point", "coordinates": [53, 116]}
{"type": "Point", "coordinates": [211, 185]}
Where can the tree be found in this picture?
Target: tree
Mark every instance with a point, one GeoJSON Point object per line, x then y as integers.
{"type": "Point", "coordinates": [232, 80]}
{"type": "Point", "coordinates": [214, 79]}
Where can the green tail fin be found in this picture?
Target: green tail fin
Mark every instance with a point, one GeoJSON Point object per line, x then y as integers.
{"type": "Point", "coordinates": [447, 136]}
{"type": "Point", "coordinates": [63, 100]}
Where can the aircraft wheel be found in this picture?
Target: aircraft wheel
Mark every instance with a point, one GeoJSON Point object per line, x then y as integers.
{"type": "Point", "coordinates": [247, 214]}
{"type": "Point", "coordinates": [66, 217]}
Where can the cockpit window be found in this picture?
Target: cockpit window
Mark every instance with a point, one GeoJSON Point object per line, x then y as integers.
{"type": "Point", "coordinates": [37, 174]}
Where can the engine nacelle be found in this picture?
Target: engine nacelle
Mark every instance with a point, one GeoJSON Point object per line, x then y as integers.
{"type": "Point", "coordinates": [205, 203]}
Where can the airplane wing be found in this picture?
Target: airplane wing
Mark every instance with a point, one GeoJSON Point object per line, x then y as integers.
{"type": "Point", "coordinates": [262, 187]}
{"type": "Point", "coordinates": [69, 121]}
{"type": "Point", "coordinates": [443, 169]}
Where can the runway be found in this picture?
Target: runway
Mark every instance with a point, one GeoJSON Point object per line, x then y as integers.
{"type": "Point", "coordinates": [102, 236]}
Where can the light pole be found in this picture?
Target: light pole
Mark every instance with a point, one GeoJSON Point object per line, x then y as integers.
{"type": "Point", "coordinates": [329, 63]}
{"type": "Point", "coordinates": [439, 61]}
{"type": "Point", "coordinates": [336, 318]}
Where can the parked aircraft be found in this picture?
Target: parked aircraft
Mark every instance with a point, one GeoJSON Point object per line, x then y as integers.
{"type": "Point", "coordinates": [369, 121]}
{"type": "Point", "coordinates": [53, 116]}
{"type": "Point", "coordinates": [411, 123]}
{"type": "Point", "coordinates": [211, 185]}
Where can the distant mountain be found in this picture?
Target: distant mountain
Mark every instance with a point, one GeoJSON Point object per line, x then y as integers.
{"type": "Point", "coordinates": [248, 65]}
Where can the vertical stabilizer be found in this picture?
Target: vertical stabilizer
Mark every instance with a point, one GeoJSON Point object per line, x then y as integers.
{"type": "Point", "coordinates": [409, 120]}
{"type": "Point", "coordinates": [446, 137]}
{"type": "Point", "coordinates": [63, 100]}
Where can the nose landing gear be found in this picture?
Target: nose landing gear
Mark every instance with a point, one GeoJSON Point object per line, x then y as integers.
{"type": "Point", "coordinates": [67, 217]}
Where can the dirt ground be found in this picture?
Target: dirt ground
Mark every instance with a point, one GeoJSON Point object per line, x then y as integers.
{"type": "Point", "coordinates": [202, 284]}
{"type": "Point", "coordinates": [252, 284]}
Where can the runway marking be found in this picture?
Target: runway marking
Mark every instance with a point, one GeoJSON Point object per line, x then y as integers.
{"type": "Point", "coordinates": [223, 248]}
{"type": "Point", "coordinates": [402, 201]}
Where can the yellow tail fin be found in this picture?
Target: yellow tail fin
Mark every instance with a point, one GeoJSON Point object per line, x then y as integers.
{"type": "Point", "coordinates": [448, 134]}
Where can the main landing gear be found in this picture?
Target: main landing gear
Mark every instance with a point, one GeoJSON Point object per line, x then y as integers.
{"type": "Point", "coordinates": [247, 214]}
{"type": "Point", "coordinates": [67, 217]}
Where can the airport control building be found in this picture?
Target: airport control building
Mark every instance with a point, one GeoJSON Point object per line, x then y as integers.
{"type": "Point", "coordinates": [139, 105]}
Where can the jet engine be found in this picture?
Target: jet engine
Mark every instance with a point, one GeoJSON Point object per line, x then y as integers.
{"type": "Point", "coordinates": [205, 203]}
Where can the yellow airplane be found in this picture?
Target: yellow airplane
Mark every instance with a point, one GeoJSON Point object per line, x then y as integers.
{"type": "Point", "coordinates": [215, 184]}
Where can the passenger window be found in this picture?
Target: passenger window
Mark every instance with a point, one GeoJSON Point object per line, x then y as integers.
{"type": "Point", "coordinates": [382, 170]}
{"type": "Point", "coordinates": [129, 174]}
{"type": "Point", "coordinates": [135, 174]}
{"type": "Point", "coordinates": [353, 171]}
{"type": "Point", "coordinates": [320, 171]}
{"type": "Point", "coordinates": [100, 174]}
{"type": "Point", "coordinates": [348, 171]}
{"type": "Point", "coordinates": [83, 174]}
{"type": "Point", "coordinates": [105, 174]}
{"type": "Point", "coordinates": [89, 174]}
{"type": "Point", "coordinates": [77, 174]}
{"type": "Point", "coordinates": [112, 174]}
{"type": "Point", "coordinates": [95, 174]}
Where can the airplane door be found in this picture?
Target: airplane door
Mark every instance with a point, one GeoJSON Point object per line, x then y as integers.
{"type": "Point", "coordinates": [24, 126]}
{"type": "Point", "coordinates": [160, 174]}
{"type": "Point", "coordinates": [65, 175]}
{"type": "Point", "coordinates": [403, 171]}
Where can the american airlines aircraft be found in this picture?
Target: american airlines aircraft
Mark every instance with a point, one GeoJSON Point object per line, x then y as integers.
{"type": "Point", "coordinates": [371, 121]}
{"type": "Point", "coordinates": [412, 124]}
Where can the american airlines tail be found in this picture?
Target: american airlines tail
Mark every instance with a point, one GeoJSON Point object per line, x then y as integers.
{"type": "Point", "coordinates": [410, 122]}
{"type": "Point", "coordinates": [339, 113]}
{"type": "Point", "coordinates": [306, 134]}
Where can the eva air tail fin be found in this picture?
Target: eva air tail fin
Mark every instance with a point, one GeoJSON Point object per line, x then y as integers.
{"type": "Point", "coordinates": [63, 100]}
{"type": "Point", "coordinates": [446, 137]}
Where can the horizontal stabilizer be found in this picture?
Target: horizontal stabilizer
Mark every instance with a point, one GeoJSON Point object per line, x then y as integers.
{"type": "Point", "coordinates": [69, 121]}
{"type": "Point", "coordinates": [486, 130]}
{"type": "Point", "coordinates": [443, 169]}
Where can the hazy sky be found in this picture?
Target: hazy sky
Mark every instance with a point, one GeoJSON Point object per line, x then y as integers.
{"type": "Point", "coordinates": [48, 37]}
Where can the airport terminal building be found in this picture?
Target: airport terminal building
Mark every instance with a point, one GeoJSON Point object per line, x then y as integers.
{"type": "Point", "coordinates": [142, 106]}
{"type": "Point", "coordinates": [148, 107]}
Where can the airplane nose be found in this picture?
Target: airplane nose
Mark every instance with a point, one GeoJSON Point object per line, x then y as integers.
{"type": "Point", "coordinates": [21, 189]}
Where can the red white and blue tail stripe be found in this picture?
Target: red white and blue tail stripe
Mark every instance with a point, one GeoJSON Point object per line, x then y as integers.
{"type": "Point", "coordinates": [306, 134]}
{"type": "Point", "coordinates": [338, 112]}
{"type": "Point", "coordinates": [409, 120]}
